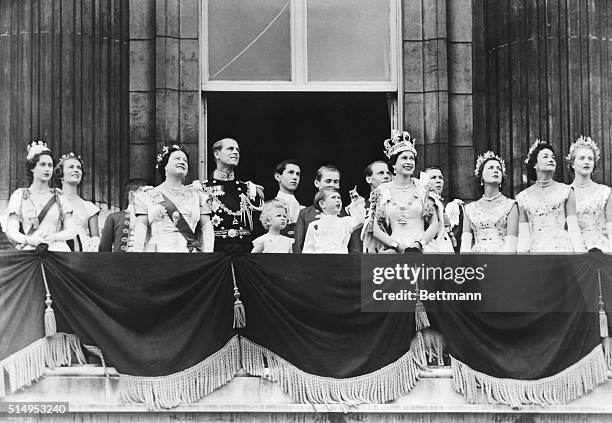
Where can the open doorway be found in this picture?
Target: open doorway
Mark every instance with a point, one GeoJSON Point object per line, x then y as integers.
{"type": "Point", "coordinates": [344, 129]}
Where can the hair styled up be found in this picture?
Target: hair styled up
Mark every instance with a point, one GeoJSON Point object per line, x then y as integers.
{"type": "Point", "coordinates": [164, 156]}
{"type": "Point", "coordinates": [58, 172]}
{"type": "Point", "coordinates": [393, 158]}
{"type": "Point", "coordinates": [34, 150]}
{"type": "Point", "coordinates": [480, 169]}
{"type": "Point", "coordinates": [269, 209]}
{"type": "Point", "coordinates": [532, 159]}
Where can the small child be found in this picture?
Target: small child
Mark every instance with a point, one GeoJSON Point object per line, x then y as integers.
{"type": "Point", "coordinates": [118, 233]}
{"type": "Point", "coordinates": [330, 234]}
{"type": "Point", "coordinates": [274, 219]}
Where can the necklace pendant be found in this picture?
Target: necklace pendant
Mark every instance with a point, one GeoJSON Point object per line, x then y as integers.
{"type": "Point", "coordinates": [235, 221]}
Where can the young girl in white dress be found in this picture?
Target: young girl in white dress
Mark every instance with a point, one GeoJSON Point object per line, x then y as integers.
{"type": "Point", "coordinates": [547, 208]}
{"type": "Point", "coordinates": [492, 221]}
{"type": "Point", "coordinates": [593, 205]}
{"type": "Point", "coordinates": [274, 219]}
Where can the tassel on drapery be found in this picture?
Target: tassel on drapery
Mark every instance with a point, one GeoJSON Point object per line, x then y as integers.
{"type": "Point", "coordinates": [383, 385]}
{"type": "Point", "coordinates": [185, 386]}
{"type": "Point", "coordinates": [239, 312]}
{"type": "Point", "coordinates": [567, 385]}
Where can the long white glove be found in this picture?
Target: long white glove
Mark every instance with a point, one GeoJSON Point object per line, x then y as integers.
{"type": "Point", "coordinates": [524, 238]}
{"type": "Point", "coordinates": [510, 244]}
{"type": "Point", "coordinates": [466, 242]}
{"type": "Point", "coordinates": [609, 229]}
{"type": "Point", "coordinates": [208, 238]}
{"type": "Point", "coordinates": [574, 232]}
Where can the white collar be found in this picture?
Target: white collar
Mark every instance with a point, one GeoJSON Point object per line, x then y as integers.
{"type": "Point", "coordinates": [285, 196]}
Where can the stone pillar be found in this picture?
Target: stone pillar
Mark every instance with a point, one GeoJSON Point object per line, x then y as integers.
{"type": "Point", "coordinates": [64, 67]}
{"type": "Point", "coordinates": [547, 72]}
{"type": "Point", "coordinates": [165, 81]}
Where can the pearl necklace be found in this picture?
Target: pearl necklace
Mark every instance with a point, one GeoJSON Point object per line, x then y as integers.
{"type": "Point", "coordinates": [403, 187]}
{"type": "Point", "coordinates": [588, 184]}
{"type": "Point", "coordinates": [495, 197]}
{"type": "Point", "coordinates": [175, 191]}
{"type": "Point", "coordinates": [544, 183]}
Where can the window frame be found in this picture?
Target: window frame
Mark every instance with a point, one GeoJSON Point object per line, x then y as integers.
{"type": "Point", "coordinates": [299, 59]}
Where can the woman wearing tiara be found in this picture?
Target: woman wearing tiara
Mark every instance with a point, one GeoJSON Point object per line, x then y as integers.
{"type": "Point", "coordinates": [492, 221]}
{"type": "Point", "coordinates": [39, 214]}
{"type": "Point", "coordinates": [69, 174]}
{"type": "Point", "coordinates": [400, 209]}
{"type": "Point", "coordinates": [177, 215]}
{"type": "Point", "coordinates": [593, 205]}
{"type": "Point", "coordinates": [547, 207]}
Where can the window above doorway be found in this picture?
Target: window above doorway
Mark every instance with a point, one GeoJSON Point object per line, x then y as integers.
{"type": "Point", "coordinates": [300, 45]}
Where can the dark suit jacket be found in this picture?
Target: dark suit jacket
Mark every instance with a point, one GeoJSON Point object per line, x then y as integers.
{"type": "Point", "coordinates": [112, 233]}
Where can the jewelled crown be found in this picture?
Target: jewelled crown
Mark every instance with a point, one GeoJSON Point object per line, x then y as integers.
{"type": "Point", "coordinates": [36, 147]}
{"type": "Point", "coordinates": [399, 141]}
{"type": "Point", "coordinates": [165, 150]}
{"type": "Point", "coordinates": [70, 155]}
{"type": "Point", "coordinates": [584, 142]}
{"type": "Point", "coordinates": [486, 156]}
{"type": "Point", "coordinates": [532, 149]}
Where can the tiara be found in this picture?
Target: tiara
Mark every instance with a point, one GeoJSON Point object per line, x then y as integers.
{"type": "Point", "coordinates": [532, 149]}
{"type": "Point", "coordinates": [585, 142]}
{"type": "Point", "coordinates": [36, 147]}
{"type": "Point", "coordinates": [399, 141]}
{"type": "Point", "coordinates": [486, 156]}
{"type": "Point", "coordinates": [70, 155]}
{"type": "Point", "coordinates": [165, 150]}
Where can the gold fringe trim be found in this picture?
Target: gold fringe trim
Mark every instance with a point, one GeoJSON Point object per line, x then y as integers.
{"type": "Point", "coordinates": [567, 385]}
{"type": "Point", "coordinates": [28, 365]}
{"type": "Point", "coordinates": [186, 386]}
{"type": "Point", "coordinates": [383, 385]}
{"type": "Point", "coordinates": [434, 344]}
{"type": "Point", "coordinates": [607, 347]}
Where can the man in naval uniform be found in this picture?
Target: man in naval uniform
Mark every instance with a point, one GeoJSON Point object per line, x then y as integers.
{"type": "Point", "coordinates": [235, 205]}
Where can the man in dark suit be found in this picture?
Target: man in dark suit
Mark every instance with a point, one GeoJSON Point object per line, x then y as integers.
{"type": "Point", "coordinates": [327, 176]}
{"type": "Point", "coordinates": [375, 174]}
{"type": "Point", "coordinates": [118, 233]}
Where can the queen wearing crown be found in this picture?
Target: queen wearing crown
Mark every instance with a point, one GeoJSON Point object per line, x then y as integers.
{"type": "Point", "coordinates": [39, 214]}
{"type": "Point", "coordinates": [593, 205]}
{"type": "Point", "coordinates": [492, 221]}
{"type": "Point", "coordinates": [176, 216]}
{"type": "Point", "coordinates": [547, 208]}
{"type": "Point", "coordinates": [401, 209]}
{"type": "Point", "coordinates": [69, 174]}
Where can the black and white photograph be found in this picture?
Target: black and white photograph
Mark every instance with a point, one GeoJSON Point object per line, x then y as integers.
{"type": "Point", "coordinates": [306, 210]}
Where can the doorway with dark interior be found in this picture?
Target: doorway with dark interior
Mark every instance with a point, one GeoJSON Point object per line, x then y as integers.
{"type": "Point", "coordinates": [343, 129]}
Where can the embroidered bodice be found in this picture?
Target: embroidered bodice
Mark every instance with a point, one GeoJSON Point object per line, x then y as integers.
{"type": "Point", "coordinates": [591, 215]}
{"type": "Point", "coordinates": [546, 216]}
{"type": "Point", "coordinates": [401, 211]}
{"type": "Point", "coordinates": [489, 224]}
{"type": "Point", "coordinates": [165, 236]}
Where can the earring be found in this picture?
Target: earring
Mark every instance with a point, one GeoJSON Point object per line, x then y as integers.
{"type": "Point", "coordinates": [481, 183]}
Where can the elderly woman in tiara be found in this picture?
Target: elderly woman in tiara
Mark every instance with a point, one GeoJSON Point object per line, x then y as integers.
{"type": "Point", "coordinates": [593, 205]}
{"type": "Point", "coordinates": [39, 214]}
{"type": "Point", "coordinates": [401, 209]}
{"type": "Point", "coordinates": [69, 174]}
{"type": "Point", "coordinates": [492, 221]}
{"type": "Point", "coordinates": [547, 207]}
{"type": "Point", "coordinates": [177, 215]}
